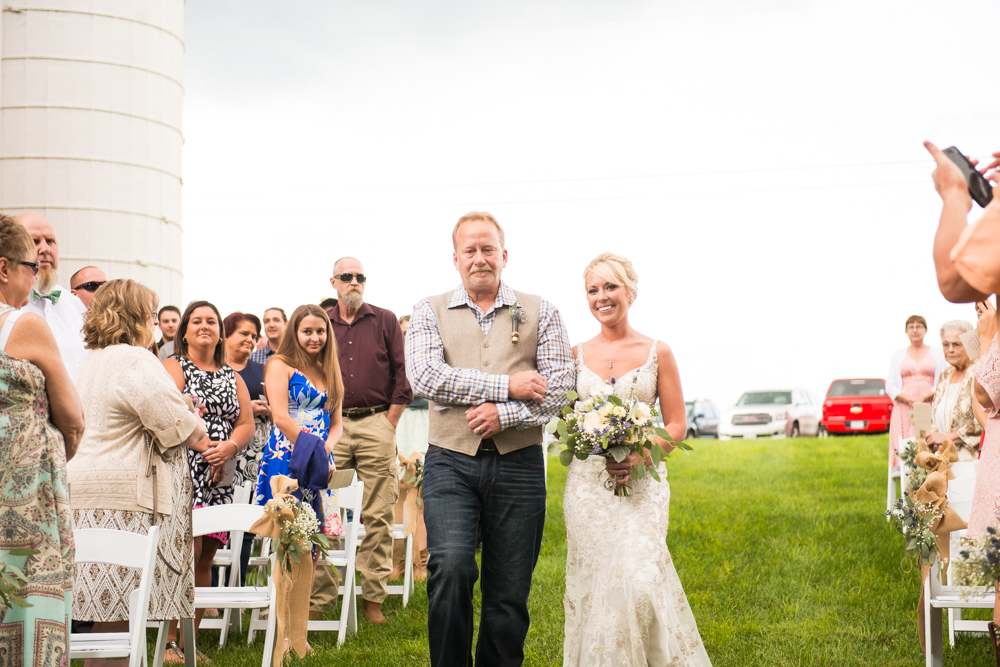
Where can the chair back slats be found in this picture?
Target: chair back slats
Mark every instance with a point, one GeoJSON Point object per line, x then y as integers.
{"type": "Point", "coordinates": [224, 518]}
{"type": "Point", "coordinates": [963, 507]}
{"type": "Point", "coordinates": [117, 547]}
{"type": "Point", "coordinates": [964, 469]}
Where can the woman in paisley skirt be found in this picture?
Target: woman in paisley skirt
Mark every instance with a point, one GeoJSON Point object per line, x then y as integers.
{"type": "Point", "coordinates": [199, 369]}
{"type": "Point", "coordinates": [242, 332]}
{"type": "Point", "coordinates": [127, 394]}
{"type": "Point", "coordinates": [41, 422]}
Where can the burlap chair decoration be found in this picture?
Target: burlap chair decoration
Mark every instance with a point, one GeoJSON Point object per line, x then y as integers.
{"type": "Point", "coordinates": [934, 491]}
{"type": "Point", "coordinates": [292, 589]}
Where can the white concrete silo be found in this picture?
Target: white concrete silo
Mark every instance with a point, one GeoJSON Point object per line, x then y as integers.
{"type": "Point", "coordinates": [90, 131]}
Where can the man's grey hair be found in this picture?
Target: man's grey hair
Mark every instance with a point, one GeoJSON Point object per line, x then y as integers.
{"type": "Point", "coordinates": [961, 326]}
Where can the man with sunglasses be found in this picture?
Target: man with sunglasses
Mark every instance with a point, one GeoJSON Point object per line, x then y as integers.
{"type": "Point", "coordinates": [85, 282]}
{"type": "Point", "coordinates": [58, 306]}
{"type": "Point", "coordinates": [370, 347]}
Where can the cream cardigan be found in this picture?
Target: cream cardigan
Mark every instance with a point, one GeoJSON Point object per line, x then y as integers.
{"type": "Point", "coordinates": [124, 390]}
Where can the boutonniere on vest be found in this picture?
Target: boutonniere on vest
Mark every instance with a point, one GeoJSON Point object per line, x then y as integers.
{"type": "Point", "coordinates": [517, 317]}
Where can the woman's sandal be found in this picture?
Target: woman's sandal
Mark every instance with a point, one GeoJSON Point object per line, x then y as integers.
{"type": "Point", "coordinates": [202, 657]}
{"type": "Point", "coordinates": [995, 637]}
{"type": "Point", "coordinates": [177, 657]}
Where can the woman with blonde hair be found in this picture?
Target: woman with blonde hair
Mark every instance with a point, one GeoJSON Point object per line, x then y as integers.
{"type": "Point", "coordinates": [136, 419]}
{"type": "Point", "coordinates": [41, 422]}
{"type": "Point", "coordinates": [953, 407]}
{"type": "Point", "coordinates": [624, 603]}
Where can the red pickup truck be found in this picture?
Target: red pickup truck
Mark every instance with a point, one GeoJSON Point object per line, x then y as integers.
{"type": "Point", "coordinates": [857, 406]}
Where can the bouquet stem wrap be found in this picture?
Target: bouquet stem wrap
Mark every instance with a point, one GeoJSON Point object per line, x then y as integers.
{"type": "Point", "coordinates": [293, 585]}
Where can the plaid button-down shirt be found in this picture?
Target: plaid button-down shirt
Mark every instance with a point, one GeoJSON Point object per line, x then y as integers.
{"type": "Point", "coordinates": [263, 355]}
{"type": "Point", "coordinates": [432, 378]}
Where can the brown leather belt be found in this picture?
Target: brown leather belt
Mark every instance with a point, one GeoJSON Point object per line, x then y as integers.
{"type": "Point", "coordinates": [361, 413]}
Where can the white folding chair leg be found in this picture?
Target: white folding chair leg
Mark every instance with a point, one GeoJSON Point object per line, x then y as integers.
{"type": "Point", "coordinates": [190, 646]}
{"type": "Point", "coordinates": [348, 608]}
{"type": "Point", "coordinates": [161, 643]}
{"type": "Point", "coordinates": [890, 491]}
{"type": "Point", "coordinates": [934, 656]}
{"type": "Point", "coordinates": [953, 615]}
{"type": "Point", "coordinates": [408, 571]}
{"type": "Point", "coordinates": [269, 636]}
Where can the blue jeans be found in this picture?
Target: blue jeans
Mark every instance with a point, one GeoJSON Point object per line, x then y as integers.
{"type": "Point", "coordinates": [502, 500]}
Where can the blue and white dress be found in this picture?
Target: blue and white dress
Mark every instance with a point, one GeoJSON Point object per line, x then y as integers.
{"type": "Point", "coordinates": [307, 406]}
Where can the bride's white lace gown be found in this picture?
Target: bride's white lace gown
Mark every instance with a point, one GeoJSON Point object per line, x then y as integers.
{"type": "Point", "coordinates": [624, 603]}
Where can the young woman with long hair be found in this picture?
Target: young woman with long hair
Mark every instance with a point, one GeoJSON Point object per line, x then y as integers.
{"type": "Point", "coordinates": [306, 372]}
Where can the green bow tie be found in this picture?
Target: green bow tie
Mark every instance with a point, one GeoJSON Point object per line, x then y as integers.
{"type": "Point", "coordinates": [52, 296]}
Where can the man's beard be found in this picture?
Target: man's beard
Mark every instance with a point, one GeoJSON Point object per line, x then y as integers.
{"type": "Point", "coordinates": [45, 280]}
{"type": "Point", "coordinates": [353, 299]}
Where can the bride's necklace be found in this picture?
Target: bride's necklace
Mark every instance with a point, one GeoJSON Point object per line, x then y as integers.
{"type": "Point", "coordinates": [611, 361]}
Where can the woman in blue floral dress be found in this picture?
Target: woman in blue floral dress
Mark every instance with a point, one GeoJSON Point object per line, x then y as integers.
{"type": "Point", "coordinates": [306, 370]}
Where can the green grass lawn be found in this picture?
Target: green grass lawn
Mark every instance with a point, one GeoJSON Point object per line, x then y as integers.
{"type": "Point", "coordinates": [780, 544]}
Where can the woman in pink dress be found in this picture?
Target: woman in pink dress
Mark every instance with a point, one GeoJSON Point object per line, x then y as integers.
{"type": "Point", "coordinates": [912, 377]}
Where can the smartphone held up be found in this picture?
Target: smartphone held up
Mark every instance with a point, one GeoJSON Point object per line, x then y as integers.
{"type": "Point", "coordinates": [979, 187]}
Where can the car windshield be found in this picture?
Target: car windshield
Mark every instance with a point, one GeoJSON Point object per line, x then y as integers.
{"type": "Point", "coordinates": [857, 388]}
{"type": "Point", "coordinates": [765, 398]}
{"type": "Point", "coordinates": [690, 407]}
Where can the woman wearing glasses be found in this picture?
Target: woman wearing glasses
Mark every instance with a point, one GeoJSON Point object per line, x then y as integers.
{"type": "Point", "coordinates": [913, 373]}
{"type": "Point", "coordinates": [953, 409]}
{"type": "Point", "coordinates": [41, 423]}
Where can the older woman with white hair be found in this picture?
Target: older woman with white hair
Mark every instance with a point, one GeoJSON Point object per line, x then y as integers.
{"type": "Point", "coordinates": [953, 405]}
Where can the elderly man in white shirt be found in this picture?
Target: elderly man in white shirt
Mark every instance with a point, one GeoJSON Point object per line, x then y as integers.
{"type": "Point", "coordinates": [62, 310]}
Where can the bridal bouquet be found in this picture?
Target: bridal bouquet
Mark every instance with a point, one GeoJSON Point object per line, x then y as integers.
{"type": "Point", "coordinates": [609, 426]}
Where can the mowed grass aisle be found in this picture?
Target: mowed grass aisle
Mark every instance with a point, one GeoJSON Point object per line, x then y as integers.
{"type": "Point", "coordinates": [782, 550]}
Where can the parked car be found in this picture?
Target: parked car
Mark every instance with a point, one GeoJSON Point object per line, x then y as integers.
{"type": "Point", "coordinates": [777, 414]}
{"type": "Point", "coordinates": [857, 406]}
{"type": "Point", "coordinates": [702, 419]}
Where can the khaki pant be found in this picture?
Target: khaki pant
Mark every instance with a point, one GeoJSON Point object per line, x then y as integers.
{"type": "Point", "coordinates": [326, 588]}
{"type": "Point", "coordinates": [369, 447]}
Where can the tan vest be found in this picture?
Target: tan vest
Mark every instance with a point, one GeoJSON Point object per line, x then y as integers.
{"type": "Point", "coordinates": [465, 346]}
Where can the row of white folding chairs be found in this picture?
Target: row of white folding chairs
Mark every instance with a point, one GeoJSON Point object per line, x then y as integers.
{"type": "Point", "coordinates": [938, 596]}
{"type": "Point", "coordinates": [351, 498]}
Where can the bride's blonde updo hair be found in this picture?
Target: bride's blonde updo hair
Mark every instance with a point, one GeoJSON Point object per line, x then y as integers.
{"type": "Point", "coordinates": [615, 269]}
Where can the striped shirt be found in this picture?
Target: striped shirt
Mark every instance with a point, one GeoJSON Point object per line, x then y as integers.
{"type": "Point", "coordinates": [432, 378]}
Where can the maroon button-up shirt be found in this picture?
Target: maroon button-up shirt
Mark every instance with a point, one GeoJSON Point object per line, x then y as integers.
{"type": "Point", "coordinates": [372, 360]}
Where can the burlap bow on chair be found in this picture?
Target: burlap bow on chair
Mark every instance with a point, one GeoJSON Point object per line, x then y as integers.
{"type": "Point", "coordinates": [409, 472]}
{"type": "Point", "coordinates": [934, 492]}
{"type": "Point", "coordinates": [292, 587]}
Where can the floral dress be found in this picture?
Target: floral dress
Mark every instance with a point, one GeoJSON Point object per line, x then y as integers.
{"type": "Point", "coordinates": [307, 406]}
{"type": "Point", "coordinates": [35, 513]}
{"type": "Point", "coordinates": [217, 390]}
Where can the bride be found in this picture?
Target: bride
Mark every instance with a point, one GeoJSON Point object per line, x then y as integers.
{"type": "Point", "coordinates": [624, 603]}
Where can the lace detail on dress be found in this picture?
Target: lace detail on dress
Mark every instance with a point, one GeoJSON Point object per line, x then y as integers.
{"type": "Point", "coordinates": [624, 603]}
{"type": "Point", "coordinates": [988, 373]}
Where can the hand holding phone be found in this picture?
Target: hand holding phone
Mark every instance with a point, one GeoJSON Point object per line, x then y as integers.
{"type": "Point", "coordinates": [979, 187]}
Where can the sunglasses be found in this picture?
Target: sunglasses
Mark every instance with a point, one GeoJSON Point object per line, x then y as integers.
{"type": "Point", "coordinates": [348, 277]}
{"type": "Point", "coordinates": [91, 286]}
{"type": "Point", "coordinates": [33, 266]}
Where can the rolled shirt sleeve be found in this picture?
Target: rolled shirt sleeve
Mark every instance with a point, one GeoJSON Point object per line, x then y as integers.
{"type": "Point", "coordinates": [159, 405]}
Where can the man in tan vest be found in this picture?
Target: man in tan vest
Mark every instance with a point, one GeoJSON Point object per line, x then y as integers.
{"type": "Point", "coordinates": [495, 365]}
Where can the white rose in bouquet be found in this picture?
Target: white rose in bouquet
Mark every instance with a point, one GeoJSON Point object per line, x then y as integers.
{"type": "Point", "coordinates": [642, 415]}
{"type": "Point", "coordinates": [618, 411]}
{"type": "Point", "coordinates": [592, 421]}
{"type": "Point", "coordinates": [606, 409]}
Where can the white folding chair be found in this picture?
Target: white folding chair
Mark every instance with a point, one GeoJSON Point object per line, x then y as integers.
{"type": "Point", "coordinates": [351, 498]}
{"type": "Point", "coordinates": [938, 597]}
{"type": "Point", "coordinates": [118, 547]}
{"type": "Point", "coordinates": [223, 519]}
{"type": "Point", "coordinates": [895, 483]}
{"type": "Point", "coordinates": [227, 559]}
{"type": "Point", "coordinates": [398, 533]}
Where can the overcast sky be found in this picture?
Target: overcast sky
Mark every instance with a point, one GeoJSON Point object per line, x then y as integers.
{"type": "Point", "coordinates": [759, 161]}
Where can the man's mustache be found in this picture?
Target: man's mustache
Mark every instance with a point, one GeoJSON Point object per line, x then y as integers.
{"type": "Point", "coordinates": [485, 269]}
